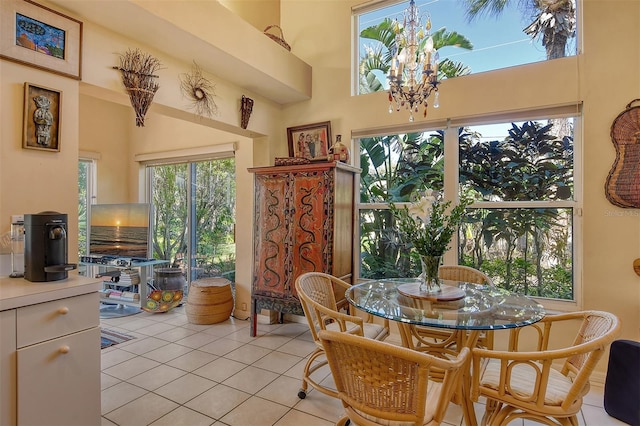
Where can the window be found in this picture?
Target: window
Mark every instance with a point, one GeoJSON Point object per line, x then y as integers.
{"type": "Point", "coordinates": [393, 168]}
{"type": "Point", "coordinates": [523, 178]}
{"type": "Point", "coordinates": [193, 223]}
{"type": "Point", "coordinates": [521, 231]}
{"type": "Point", "coordinates": [86, 197]}
{"type": "Point", "coordinates": [467, 42]}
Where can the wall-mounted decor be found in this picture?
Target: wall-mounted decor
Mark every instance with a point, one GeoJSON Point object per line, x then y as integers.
{"type": "Point", "coordinates": [623, 183]}
{"type": "Point", "coordinates": [246, 107]}
{"type": "Point", "coordinates": [137, 69]}
{"type": "Point", "coordinates": [200, 91]}
{"type": "Point", "coordinates": [41, 127]}
{"type": "Point", "coordinates": [40, 37]}
{"type": "Point", "coordinates": [310, 141]}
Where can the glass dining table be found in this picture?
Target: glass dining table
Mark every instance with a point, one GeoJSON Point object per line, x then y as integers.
{"type": "Point", "coordinates": [461, 311]}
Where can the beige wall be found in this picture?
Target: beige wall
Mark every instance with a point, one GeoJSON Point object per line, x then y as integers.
{"type": "Point", "coordinates": [32, 181]}
{"type": "Point", "coordinates": [98, 118]}
{"type": "Point", "coordinates": [259, 13]}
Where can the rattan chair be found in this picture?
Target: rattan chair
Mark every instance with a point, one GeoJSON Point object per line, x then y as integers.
{"type": "Point", "coordinates": [543, 384]}
{"type": "Point", "coordinates": [444, 341]}
{"type": "Point", "coordinates": [322, 299]}
{"type": "Point", "coordinates": [463, 273]}
{"type": "Point", "coordinates": [383, 384]}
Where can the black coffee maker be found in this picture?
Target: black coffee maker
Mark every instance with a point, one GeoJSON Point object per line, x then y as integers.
{"type": "Point", "coordinates": [45, 247]}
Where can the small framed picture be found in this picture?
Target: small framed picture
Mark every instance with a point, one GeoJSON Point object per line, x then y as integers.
{"type": "Point", "coordinates": [41, 127]}
{"type": "Point", "coordinates": [40, 37]}
{"type": "Point", "coordinates": [310, 141]}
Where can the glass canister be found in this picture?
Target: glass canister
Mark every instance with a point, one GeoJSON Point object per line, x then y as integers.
{"type": "Point", "coordinates": [339, 151]}
{"type": "Point", "coordinates": [17, 246]}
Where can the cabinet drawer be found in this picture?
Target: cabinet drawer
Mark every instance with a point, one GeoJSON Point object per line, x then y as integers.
{"type": "Point", "coordinates": [45, 321]}
{"type": "Point", "coordinates": [59, 381]}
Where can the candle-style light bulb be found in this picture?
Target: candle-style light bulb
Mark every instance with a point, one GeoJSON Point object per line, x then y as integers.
{"type": "Point", "coordinates": [428, 45]}
{"type": "Point", "coordinates": [402, 57]}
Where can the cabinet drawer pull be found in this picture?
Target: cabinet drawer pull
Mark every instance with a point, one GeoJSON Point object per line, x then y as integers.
{"type": "Point", "coordinates": [63, 311]}
{"type": "Point", "coordinates": [64, 349]}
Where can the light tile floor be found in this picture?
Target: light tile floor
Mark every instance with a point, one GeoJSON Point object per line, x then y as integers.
{"type": "Point", "coordinates": [178, 373]}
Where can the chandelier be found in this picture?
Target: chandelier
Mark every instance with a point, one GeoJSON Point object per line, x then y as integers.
{"type": "Point", "coordinates": [413, 75]}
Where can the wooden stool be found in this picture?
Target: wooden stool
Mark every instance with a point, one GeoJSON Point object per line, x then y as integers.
{"type": "Point", "coordinates": [209, 301]}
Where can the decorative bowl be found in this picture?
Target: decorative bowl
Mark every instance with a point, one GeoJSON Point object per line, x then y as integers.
{"type": "Point", "coordinates": [162, 300]}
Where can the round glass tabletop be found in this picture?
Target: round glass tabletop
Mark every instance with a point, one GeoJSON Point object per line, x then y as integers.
{"type": "Point", "coordinates": [479, 307]}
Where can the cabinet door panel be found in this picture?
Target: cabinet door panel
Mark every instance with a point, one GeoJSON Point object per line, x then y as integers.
{"type": "Point", "coordinates": [271, 235]}
{"type": "Point", "coordinates": [59, 381]}
{"type": "Point", "coordinates": [8, 367]}
{"type": "Point", "coordinates": [312, 196]}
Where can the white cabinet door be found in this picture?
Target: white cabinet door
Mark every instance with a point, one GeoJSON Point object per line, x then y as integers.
{"type": "Point", "coordinates": [59, 381]}
{"type": "Point", "coordinates": [8, 367]}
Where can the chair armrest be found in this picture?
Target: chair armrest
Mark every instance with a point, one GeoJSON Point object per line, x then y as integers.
{"type": "Point", "coordinates": [344, 303]}
{"type": "Point", "coordinates": [328, 316]}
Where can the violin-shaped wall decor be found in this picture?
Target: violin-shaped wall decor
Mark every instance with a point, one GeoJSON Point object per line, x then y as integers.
{"type": "Point", "coordinates": [623, 183]}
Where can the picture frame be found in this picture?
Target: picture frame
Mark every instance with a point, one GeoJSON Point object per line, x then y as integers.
{"type": "Point", "coordinates": [310, 141]}
{"type": "Point", "coordinates": [41, 121]}
{"type": "Point", "coordinates": [36, 36]}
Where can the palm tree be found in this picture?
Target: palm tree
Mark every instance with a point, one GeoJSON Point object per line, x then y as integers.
{"type": "Point", "coordinates": [554, 20]}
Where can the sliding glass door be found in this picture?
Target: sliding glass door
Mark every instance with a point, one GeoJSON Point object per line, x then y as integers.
{"type": "Point", "coordinates": [193, 221]}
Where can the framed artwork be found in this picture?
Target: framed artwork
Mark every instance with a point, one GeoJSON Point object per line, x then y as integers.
{"type": "Point", "coordinates": [41, 127]}
{"type": "Point", "coordinates": [310, 141]}
{"type": "Point", "coordinates": [40, 37]}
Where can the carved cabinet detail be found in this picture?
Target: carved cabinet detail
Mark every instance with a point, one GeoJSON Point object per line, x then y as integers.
{"type": "Point", "coordinates": [303, 221]}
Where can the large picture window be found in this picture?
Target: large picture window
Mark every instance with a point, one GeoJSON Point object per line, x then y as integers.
{"type": "Point", "coordinates": [522, 176]}
{"type": "Point", "coordinates": [470, 36]}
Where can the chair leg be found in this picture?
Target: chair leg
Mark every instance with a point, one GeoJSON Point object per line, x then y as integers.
{"type": "Point", "coordinates": [307, 380]}
{"type": "Point", "coordinates": [491, 408]}
{"type": "Point", "coordinates": [343, 421]}
{"type": "Point", "coordinates": [508, 414]}
{"type": "Point", "coordinates": [569, 421]}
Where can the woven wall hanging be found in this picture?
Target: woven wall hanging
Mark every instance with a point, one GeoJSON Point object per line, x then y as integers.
{"type": "Point", "coordinates": [137, 69]}
{"type": "Point", "coordinates": [623, 183]}
{"type": "Point", "coordinates": [200, 91]}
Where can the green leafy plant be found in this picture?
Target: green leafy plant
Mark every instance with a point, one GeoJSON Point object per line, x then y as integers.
{"type": "Point", "coordinates": [426, 224]}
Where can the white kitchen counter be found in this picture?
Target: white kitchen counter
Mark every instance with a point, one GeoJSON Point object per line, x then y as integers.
{"type": "Point", "coordinates": [18, 292]}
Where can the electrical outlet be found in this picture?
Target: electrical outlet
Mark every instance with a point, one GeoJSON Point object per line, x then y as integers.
{"type": "Point", "coordinates": [244, 306]}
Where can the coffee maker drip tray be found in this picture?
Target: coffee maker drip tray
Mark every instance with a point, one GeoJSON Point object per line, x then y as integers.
{"type": "Point", "coordinates": [60, 268]}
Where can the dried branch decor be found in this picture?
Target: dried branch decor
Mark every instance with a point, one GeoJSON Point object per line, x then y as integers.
{"type": "Point", "coordinates": [138, 70]}
{"type": "Point", "coordinates": [200, 91]}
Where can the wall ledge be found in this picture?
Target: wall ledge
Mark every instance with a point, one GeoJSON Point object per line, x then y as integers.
{"type": "Point", "coordinates": [220, 42]}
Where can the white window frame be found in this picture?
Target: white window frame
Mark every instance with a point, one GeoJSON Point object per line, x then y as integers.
{"type": "Point", "coordinates": [373, 5]}
{"type": "Point", "coordinates": [91, 159]}
{"type": "Point", "coordinates": [451, 176]}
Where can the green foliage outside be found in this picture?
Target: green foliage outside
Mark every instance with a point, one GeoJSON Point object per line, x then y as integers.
{"type": "Point", "coordinates": [213, 194]}
{"type": "Point", "coordinates": [527, 250]}
{"type": "Point", "coordinates": [82, 208]}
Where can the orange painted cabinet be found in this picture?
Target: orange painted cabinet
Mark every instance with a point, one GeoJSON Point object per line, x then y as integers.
{"type": "Point", "coordinates": [303, 221]}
